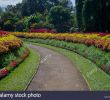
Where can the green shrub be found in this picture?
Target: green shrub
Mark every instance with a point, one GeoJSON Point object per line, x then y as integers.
{"type": "Point", "coordinates": [6, 58]}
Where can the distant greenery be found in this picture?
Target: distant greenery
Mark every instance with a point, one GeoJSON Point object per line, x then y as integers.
{"type": "Point", "coordinates": [86, 16]}
{"type": "Point", "coordinates": [94, 76]}
{"type": "Point", "coordinates": [19, 79]}
{"type": "Point", "coordinates": [32, 14]}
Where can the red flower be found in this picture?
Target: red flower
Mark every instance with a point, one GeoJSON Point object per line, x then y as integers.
{"type": "Point", "coordinates": [3, 72]}
{"type": "Point", "coordinates": [13, 64]}
{"type": "Point", "coordinates": [2, 33]}
{"type": "Point", "coordinates": [103, 34]}
{"type": "Point", "coordinates": [42, 30]}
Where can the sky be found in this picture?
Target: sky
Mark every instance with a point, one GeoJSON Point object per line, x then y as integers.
{"type": "Point", "coordinates": [73, 1]}
{"type": "Point", "coordinates": [4, 3]}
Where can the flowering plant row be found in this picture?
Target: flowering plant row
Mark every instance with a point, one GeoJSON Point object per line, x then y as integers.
{"type": "Point", "coordinates": [97, 40]}
{"type": "Point", "coordinates": [41, 30]}
{"type": "Point", "coordinates": [13, 64]}
{"type": "Point", "coordinates": [9, 42]}
{"type": "Point", "coordinates": [3, 33]}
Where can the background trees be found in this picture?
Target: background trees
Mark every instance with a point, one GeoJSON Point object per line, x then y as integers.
{"type": "Point", "coordinates": [93, 15]}
{"type": "Point", "coordinates": [88, 16]}
{"type": "Point", "coordinates": [1, 10]}
{"type": "Point", "coordinates": [60, 18]}
{"type": "Point", "coordinates": [79, 6]}
{"type": "Point", "coordinates": [38, 14]}
{"type": "Point", "coordinates": [105, 22]}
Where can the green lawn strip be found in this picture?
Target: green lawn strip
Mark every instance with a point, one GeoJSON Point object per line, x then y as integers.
{"type": "Point", "coordinates": [19, 78]}
{"type": "Point", "coordinates": [95, 77]}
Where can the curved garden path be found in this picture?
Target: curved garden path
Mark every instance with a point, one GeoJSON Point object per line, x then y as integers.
{"type": "Point", "coordinates": [56, 72]}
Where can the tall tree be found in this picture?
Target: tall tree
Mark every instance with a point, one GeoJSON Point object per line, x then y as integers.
{"type": "Point", "coordinates": [60, 18]}
{"type": "Point", "coordinates": [91, 12]}
{"type": "Point", "coordinates": [93, 15]}
{"type": "Point", "coordinates": [105, 15]}
{"type": "Point", "coordinates": [29, 7]}
{"type": "Point", "coordinates": [79, 6]}
{"type": "Point", "coordinates": [1, 10]}
{"type": "Point", "coordinates": [32, 6]}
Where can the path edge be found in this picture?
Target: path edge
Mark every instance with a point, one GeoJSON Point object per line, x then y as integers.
{"type": "Point", "coordinates": [25, 89]}
{"type": "Point", "coordinates": [46, 46]}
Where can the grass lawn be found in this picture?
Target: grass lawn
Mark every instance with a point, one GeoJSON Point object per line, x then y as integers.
{"type": "Point", "coordinates": [19, 78]}
{"type": "Point", "coordinates": [95, 77]}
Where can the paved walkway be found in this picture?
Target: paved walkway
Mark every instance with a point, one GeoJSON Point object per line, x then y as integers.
{"type": "Point", "coordinates": [56, 73]}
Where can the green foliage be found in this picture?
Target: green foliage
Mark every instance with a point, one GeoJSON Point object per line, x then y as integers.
{"type": "Point", "coordinates": [93, 15]}
{"type": "Point", "coordinates": [30, 7]}
{"type": "Point", "coordinates": [60, 18]}
{"type": "Point", "coordinates": [19, 79]}
{"type": "Point", "coordinates": [36, 21]}
{"type": "Point", "coordinates": [73, 21]}
{"type": "Point", "coordinates": [79, 6]}
{"type": "Point", "coordinates": [19, 25]}
{"type": "Point", "coordinates": [5, 59]}
{"type": "Point", "coordinates": [1, 11]}
{"type": "Point", "coordinates": [8, 25]}
{"type": "Point", "coordinates": [34, 14]}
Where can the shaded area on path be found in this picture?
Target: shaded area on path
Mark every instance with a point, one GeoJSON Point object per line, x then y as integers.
{"type": "Point", "coordinates": [56, 73]}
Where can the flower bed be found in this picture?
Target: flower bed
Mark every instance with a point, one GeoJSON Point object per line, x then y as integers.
{"type": "Point", "coordinates": [3, 72]}
{"type": "Point", "coordinates": [3, 33]}
{"type": "Point", "coordinates": [94, 39]}
{"type": "Point", "coordinates": [8, 43]}
{"type": "Point", "coordinates": [41, 30]}
{"type": "Point", "coordinates": [13, 64]}
{"type": "Point", "coordinates": [12, 52]}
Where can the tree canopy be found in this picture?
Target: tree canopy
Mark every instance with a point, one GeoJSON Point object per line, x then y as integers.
{"type": "Point", "coordinates": [36, 13]}
{"type": "Point", "coordinates": [93, 15]}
